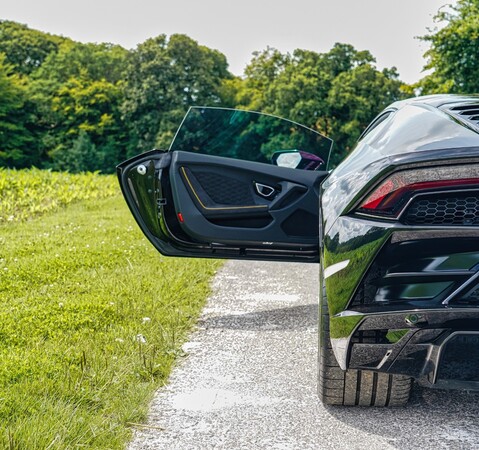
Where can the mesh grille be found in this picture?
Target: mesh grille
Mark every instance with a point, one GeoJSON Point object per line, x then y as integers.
{"type": "Point", "coordinates": [450, 209]}
{"type": "Point", "coordinates": [225, 190]}
{"type": "Point", "coordinates": [460, 358]}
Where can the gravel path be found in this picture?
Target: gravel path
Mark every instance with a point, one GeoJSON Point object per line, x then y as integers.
{"type": "Point", "coordinates": [249, 381]}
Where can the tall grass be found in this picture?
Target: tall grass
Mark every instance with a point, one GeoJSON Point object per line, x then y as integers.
{"type": "Point", "coordinates": [91, 320]}
{"type": "Point", "coordinates": [28, 193]}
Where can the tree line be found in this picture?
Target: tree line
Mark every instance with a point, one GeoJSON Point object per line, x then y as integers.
{"type": "Point", "coordinates": [74, 106]}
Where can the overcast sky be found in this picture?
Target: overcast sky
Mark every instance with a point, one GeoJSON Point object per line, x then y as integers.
{"type": "Point", "coordinates": [237, 28]}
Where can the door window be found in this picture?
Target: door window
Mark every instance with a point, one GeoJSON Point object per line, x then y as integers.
{"type": "Point", "coordinates": [252, 137]}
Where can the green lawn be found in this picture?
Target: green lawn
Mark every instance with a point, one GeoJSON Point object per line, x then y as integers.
{"type": "Point", "coordinates": [92, 318]}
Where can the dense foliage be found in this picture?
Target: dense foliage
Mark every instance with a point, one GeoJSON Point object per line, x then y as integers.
{"type": "Point", "coordinates": [73, 106]}
{"type": "Point", "coordinates": [67, 105]}
{"type": "Point", "coordinates": [336, 93]}
{"type": "Point", "coordinates": [454, 51]}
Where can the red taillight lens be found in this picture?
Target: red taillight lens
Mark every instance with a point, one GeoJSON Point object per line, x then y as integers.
{"type": "Point", "coordinates": [390, 197]}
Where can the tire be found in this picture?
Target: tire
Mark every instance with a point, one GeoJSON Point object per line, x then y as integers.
{"type": "Point", "coordinates": [354, 387]}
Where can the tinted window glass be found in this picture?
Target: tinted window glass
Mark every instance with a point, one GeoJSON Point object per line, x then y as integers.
{"type": "Point", "coordinates": [246, 135]}
{"type": "Point", "coordinates": [375, 123]}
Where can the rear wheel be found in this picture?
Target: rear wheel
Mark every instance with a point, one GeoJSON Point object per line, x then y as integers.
{"type": "Point", "coordinates": [354, 387]}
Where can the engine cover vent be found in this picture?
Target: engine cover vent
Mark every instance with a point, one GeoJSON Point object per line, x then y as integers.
{"type": "Point", "coordinates": [466, 112]}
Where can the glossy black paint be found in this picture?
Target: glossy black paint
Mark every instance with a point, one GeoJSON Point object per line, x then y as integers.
{"type": "Point", "coordinates": [420, 347]}
{"type": "Point", "coordinates": [387, 257]}
{"type": "Point", "coordinates": [401, 297]}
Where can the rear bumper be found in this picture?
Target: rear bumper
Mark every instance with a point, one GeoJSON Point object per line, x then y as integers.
{"type": "Point", "coordinates": [431, 346]}
{"type": "Point", "coordinates": [401, 299]}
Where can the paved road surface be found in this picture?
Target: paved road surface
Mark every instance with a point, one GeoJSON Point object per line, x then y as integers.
{"type": "Point", "coordinates": [249, 381]}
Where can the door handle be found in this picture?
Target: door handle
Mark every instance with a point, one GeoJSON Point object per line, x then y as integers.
{"type": "Point", "coordinates": [264, 190]}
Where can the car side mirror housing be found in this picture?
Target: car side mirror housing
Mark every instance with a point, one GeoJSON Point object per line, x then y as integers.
{"type": "Point", "coordinates": [296, 159]}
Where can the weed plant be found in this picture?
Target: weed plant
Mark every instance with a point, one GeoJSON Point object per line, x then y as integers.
{"type": "Point", "coordinates": [28, 193]}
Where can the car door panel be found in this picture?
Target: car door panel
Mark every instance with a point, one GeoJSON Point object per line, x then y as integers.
{"type": "Point", "coordinates": [217, 205]}
{"type": "Point", "coordinates": [191, 204]}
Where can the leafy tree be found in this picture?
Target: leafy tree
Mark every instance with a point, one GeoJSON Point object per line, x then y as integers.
{"type": "Point", "coordinates": [301, 90]}
{"type": "Point", "coordinates": [26, 49]}
{"type": "Point", "coordinates": [355, 97]}
{"type": "Point", "coordinates": [454, 51]}
{"type": "Point", "coordinates": [84, 107]}
{"type": "Point", "coordinates": [336, 93]}
{"type": "Point", "coordinates": [344, 57]}
{"type": "Point", "coordinates": [263, 70]}
{"type": "Point", "coordinates": [77, 89]}
{"type": "Point", "coordinates": [75, 106]}
{"type": "Point", "coordinates": [88, 61]}
{"type": "Point", "coordinates": [14, 137]}
{"type": "Point", "coordinates": [165, 77]}
{"type": "Point", "coordinates": [79, 156]}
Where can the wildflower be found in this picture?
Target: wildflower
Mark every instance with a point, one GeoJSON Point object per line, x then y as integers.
{"type": "Point", "coordinates": [146, 320]}
{"type": "Point", "coordinates": [141, 339]}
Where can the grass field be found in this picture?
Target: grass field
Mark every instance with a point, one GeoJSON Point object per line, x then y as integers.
{"type": "Point", "coordinates": [25, 194]}
{"type": "Point", "coordinates": [91, 320]}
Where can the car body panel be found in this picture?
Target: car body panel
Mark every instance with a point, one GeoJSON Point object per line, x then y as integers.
{"type": "Point", "coordinates": [401, 296]}
{"type": "Point", "coordinates": [182, 215]}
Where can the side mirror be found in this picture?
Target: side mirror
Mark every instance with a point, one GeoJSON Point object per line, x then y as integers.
{"type": "Point", "coordinates": [296, 159]}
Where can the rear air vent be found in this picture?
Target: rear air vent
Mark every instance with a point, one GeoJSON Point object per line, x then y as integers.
{"type": "Point", "coordinates": [468, 112]}
{"type": "Point", "coordinates": [453, 209]}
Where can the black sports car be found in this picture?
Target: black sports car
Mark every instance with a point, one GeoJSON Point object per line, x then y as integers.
{"type": "Point", "coordinates": [395, 228]}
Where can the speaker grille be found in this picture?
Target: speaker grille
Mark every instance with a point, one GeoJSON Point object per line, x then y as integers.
{"type": "Point", "coordinates": [225, 190]}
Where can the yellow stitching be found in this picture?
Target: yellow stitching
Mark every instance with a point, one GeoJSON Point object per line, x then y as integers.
{"type": "Point", "coordinates": [205, 207]}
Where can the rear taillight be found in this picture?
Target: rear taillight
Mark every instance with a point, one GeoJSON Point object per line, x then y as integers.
{"type": "Point", "coordinates": [390, 197]}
